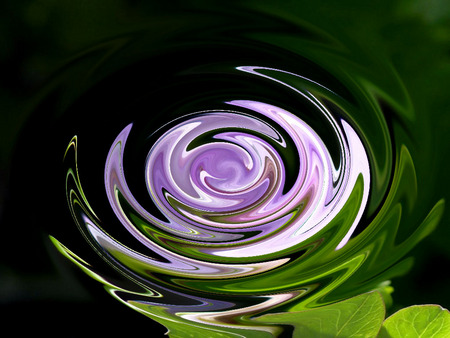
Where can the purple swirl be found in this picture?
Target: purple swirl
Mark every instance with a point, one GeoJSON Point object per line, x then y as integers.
{"type": "Point", "coordinates": [227, 209]}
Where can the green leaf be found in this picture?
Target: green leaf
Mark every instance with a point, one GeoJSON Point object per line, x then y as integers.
{"type": "Point", "coordinates": [178, 330]}
{"type": "Point", "coordinates": [180, 327]}
{"type": "Point", "coordinates": [418, 321]}
{"type": "Point", "coordinates": [360, 316]}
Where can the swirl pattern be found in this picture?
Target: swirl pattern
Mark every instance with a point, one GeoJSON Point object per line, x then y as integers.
{"type": "Point", "coordinates": [265, 192]}
{"type": "Point", "coordinates": [225, 199]}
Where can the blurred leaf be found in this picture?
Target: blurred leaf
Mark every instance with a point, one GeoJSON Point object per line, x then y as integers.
{"type": "Point", "coordinates": [418, 321]}
{"type": "Point", "coordinates": [360, 316]}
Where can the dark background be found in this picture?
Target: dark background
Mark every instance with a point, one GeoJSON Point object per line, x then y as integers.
{"type": "Point", "coordinates": [44, 293]}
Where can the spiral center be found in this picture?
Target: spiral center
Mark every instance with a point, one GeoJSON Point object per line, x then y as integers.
{"type": "Point", "coordinates": [223, 170]}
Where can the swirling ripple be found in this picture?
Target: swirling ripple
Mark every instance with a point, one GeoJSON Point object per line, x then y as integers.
{"type": "Point", "coordinates": [251, 205]}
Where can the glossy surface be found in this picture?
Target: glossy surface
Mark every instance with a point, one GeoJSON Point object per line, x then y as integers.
{"type": "Point", "coordinates": [229, 163]}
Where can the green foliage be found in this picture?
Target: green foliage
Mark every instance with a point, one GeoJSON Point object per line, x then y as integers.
{"type": "Point", "coordinates": [360, 316]}
{"type": "Point", "coordinates": [418, 321]}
